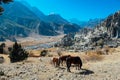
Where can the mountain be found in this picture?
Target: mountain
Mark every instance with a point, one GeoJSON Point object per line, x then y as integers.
{"type": "Point", "coordinates": [35, 10]}
{"type": "Point", "coordinates": [107, 33]}
{"type": "Point", "coordinates": [74, 20]}
{"type": "Point", "coordinates": [19, 20]}
{"type": "Point", "coordinates": [38, 13]}
{"type": "Point", "coordinates": [56, 18]}
{"type": "Point", "coordinates": [91, 23]}
{"type": "Point", "coordinates": [112, 24]}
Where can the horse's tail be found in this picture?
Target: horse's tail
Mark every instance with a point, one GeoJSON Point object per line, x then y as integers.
{"type": "Point", "coordinates": [79, 61]}
{"type": "Point", "coordinates": [81, 64]}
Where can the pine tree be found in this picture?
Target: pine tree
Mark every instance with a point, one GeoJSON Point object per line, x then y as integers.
{"type": "Point", "coordinates": [17, 53]}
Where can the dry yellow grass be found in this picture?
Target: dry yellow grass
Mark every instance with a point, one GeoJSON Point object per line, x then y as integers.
{"type": "Point", "coordinates": [94, 57]}
{"type": "Point", "coordinates": [34, 53]}
{"type": "Point", "coordinates": [7, 60]}
{"type": "Point", "coordinates": [89, 56]}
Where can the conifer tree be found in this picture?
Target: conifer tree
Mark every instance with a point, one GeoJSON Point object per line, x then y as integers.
{"type": "Point", "coordinates": [17, 53]}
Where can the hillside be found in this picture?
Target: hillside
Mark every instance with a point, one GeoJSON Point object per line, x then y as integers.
{"type": "Point", "coordinates": [19, 20]}
{"type": "Point", "coordinates": [107, 33]}
{"type": "Point", "coordinates": [90, 23]}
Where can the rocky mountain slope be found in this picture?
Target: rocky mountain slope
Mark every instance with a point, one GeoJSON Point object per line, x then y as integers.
{"type": "Point", "coordinates": [19, 20]}
{"type": "Point", "coordinates": [106, 33]}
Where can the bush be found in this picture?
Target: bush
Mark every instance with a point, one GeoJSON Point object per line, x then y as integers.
{"type": "Point", "coordinates": [9, 48]}
{"type": "Point", "coordinates": [17, 53]}
{"type": "Point", "coordinates": [44, 53]}
{"type": "Point", "coordinates": [2, 46]}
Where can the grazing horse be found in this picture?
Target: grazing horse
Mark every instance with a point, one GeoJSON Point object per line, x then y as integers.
{"type": "Point", "coordinates": [63, 58]}
{"type": "Point", "coordinates": [55, 61]}
{"type": "Point", "coordinates": [73, 60]}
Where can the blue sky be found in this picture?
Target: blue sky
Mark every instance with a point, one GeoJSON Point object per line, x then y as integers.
{"type": "Point", "coordinates": [83, 10]}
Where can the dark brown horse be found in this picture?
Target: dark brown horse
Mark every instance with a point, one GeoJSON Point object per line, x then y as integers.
{"type": "Point", "coordinates": [73, 60]}
{"type": "Point", "coordinates": [55, 61]}
{"type": "Point", "coordinates": [63, 58]}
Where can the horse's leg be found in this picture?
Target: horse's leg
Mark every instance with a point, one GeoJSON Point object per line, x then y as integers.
{"type": "Point", "coordinates": [76, 66]}
{"type": "Point", "coordinates": [62, 62]}
{"type": "Point", "coordinates": [68, 67]}
{"type": "Point", "coordinates": [54, 63]}
{"type": "Point", "coordinates": [80, 66]}
{"type": "Point", "coordinates": [59, 62]}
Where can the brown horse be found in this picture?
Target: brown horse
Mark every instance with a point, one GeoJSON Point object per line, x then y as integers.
{"type": "Point", "coordinates": [55, 61]}
{"type": "Point", "coordinates": [63, 58]}
{"type": "Point", "coordinates": [73, 60]}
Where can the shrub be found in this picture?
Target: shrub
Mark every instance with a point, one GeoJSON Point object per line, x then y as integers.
{"type": "Point", "coordinates": [17, 53]}
{"type": "Point", "coordinates": [2, 46]}
{"type": "Point", "coordinates": [9, 48]}
{"type": "Point", "coordinates": [43, 53]}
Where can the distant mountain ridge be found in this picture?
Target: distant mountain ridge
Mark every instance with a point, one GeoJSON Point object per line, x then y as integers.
{"type": "Point", "coordinates": [56, 18]}
{"type": "Point", "coordinates": [20, 21]}
{"type": "Point", "coordinates": [91, 23]}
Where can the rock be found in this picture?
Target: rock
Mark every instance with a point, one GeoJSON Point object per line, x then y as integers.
{"type": "Point", "coordinates": [3, 78]}
{"type": "Point", "coordinates": [2, 73]}
{"type": "Point", "coordinates": [113, 25]}
{"type": "Point", "coordinates": [66, 41]}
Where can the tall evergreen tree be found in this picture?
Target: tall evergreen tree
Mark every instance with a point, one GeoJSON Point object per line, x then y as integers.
{"type": "Point", "coordinates": [17, 53]}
